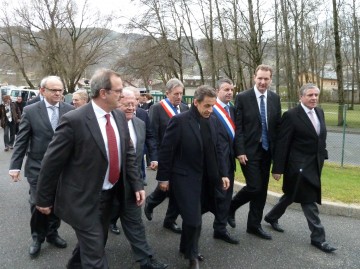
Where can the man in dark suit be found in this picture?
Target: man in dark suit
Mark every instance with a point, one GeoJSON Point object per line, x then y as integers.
{"type": "Point", "coordinates": [225, 112]}
{"type": "Point", "coordinates": [90, 161]}
{"type": "Point", "coordinates": [36, 130]}
{"type": "Point", "coordinates": [131, 220]}
{"type": "Point", "coordinates": [189, 159]}
{"type": "Point", "coordinates": [299, 155]}
{"type": "Point", "coordinates": [258, 115]}
{"type": "Point", "coordinates": [160, 114]}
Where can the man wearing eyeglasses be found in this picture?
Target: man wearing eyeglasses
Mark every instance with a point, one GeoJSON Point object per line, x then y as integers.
{"type": "Point", "coordinates": [36, 130]}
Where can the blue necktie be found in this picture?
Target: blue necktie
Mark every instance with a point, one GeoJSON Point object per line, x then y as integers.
{"type": "Point", "coordinates": [264, 133]}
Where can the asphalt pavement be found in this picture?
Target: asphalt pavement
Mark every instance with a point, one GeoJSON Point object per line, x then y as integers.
{"type": "Point", "coordinates": [290, 249]}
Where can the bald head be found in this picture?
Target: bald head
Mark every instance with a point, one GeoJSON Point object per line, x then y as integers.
{"type": "Point", "coordinates": [127, 103]}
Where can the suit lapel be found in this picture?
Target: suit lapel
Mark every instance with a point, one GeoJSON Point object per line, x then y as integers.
{"type": "Point", "coordinates": [254, 104]}
{"type": "Point", "coordinates": [44, 115]}
{"type": "Point", "coordinates": [137, 133]}
{"type": "Point", "coordinates": [121, 128]}
{"type": "Point", "coordinates": [94, 128]}
{"type": "Point", "coordinates": [196, 129]}
{"type": "Point", "coordinates": [306, 120]}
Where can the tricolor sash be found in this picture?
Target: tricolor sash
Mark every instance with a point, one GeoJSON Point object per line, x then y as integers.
{"type": "Point", "coordinates": [168, 107]}
{"type": "Point", "coordinates": [225, 119]}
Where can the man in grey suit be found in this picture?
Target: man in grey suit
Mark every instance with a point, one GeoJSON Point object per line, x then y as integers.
{"type": "Point", "coordinates": [131, 220]}
{"type": "Point", "coordinates": [90, 161]}
{"type": "Point", "coordinates": [36, 130]}
{"type": "Point", "coordinates": [160, 114]}
{"type": "Point", "coordinates": [300, 153]}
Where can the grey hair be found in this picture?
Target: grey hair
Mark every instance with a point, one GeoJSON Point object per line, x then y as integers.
{"type": "Point", "coordinates": [202, 91]}
{"type": "Point", "coordinates": [307, 87]}
{"type": "Point", "coordinates": [222, 81]}
{"type": "Point", "coordinates": [46, 79]}
{"type": "Point", "coordinates": [82, 94]}
{"type": "Point", "coordinates": [173, 83]}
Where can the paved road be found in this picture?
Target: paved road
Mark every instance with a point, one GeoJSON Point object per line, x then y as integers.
{"type": "Point", "coordinates": [291, 249]}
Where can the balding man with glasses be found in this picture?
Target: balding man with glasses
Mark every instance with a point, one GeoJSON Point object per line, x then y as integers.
{"type": "Point", "coordinates": [36, 130]}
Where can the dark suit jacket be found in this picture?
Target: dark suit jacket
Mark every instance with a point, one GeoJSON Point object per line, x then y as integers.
{"type": "Point", "coordinates": [150, 141]}
{"type": "Point", "coordinates": [181, 162]}
{"type": "Point", "coordinates": [34, 100]}
{"type": "Point", "coordinates": [140, 131]}
{"type": "Point", "coordinates": [34, 136]}
{"type": "Point", "coordinates": [227, 145]}
{"type": "Point", "coordinates": [248, 122]}
{"type": "Point", "coordinates": [299, 147]}
{"type": "Point", "coordinates": [75, 164]}
{"type": "Point", "coordinates": [159, 120]}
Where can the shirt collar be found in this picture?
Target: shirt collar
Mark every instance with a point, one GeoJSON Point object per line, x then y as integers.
{"type": "Point", "coordinates": [99, 112]}
{"type": "Point", "coordinates": [47, 104]}
{"type": "Point", "coordinates": [221, 103]}
{"type": "Point", "coordinates": [258, 93]}
{"type": "Point", "coordinates": [306, 108]}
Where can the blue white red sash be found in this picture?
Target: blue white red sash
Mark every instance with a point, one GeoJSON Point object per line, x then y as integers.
{"type": "Point", "coordinates": [225, 119]}
{"type": "Point", "coordinates": [168, 107]}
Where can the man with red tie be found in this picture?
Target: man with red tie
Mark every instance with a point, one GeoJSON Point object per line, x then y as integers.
{"type": "Point", "coordinates": [90, 161]}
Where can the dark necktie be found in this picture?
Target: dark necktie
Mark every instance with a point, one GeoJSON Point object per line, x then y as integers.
{"type": "Point", "coordinates": [264, 132]}
{"type": "Point", "coordinates": [227, 109]}
{"type": "Point", "coordinates": [114, 170]}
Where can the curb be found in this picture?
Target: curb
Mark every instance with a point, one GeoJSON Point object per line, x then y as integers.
{"type": "Point", "coordinates": [327, 207]}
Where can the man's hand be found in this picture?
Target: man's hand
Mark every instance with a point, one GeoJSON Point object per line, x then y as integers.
{"type": "Point", "coordinates": [44, 210]}
{"type": "Point", "coordinates": [276, 176]}
{"type": "Point", "coordinates": [164, 185]}
{"type": "Point", "coordinates": [242, 159]}
{"type": "Point", "coordinates": [15, 175]}
{"type": "Point", "coordinates": [153, 165]}
{"type": "Point", "coordinates": [140, 197]}
{"type": "Point", "coordinates": [225, 183]}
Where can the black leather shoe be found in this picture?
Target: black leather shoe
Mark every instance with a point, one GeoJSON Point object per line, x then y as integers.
{"type": "Point", "coordinates": [114, 229]}
{"type": "Point", "coordinates": [259, 232]}
{"type": "Point", "coordinates": [231, 219]}
{"type": "Point", "coordinates": [324, 246]}
{"type": "Point", "coordinates": [200, 257]}
{"type": "Point", "coordinates": [194, 264]}
{"type": "Point", "coordinates": [35, 248]}
{"type": "Point", "coordinates": [57, 241]}
{"type": "Point", "coordinates": [225, 237]}
{"type": "Point", "coordinates": [154, 264]}
{"type": "Point", "coordinates": [172, 227]}
{"type": "Point", "coordinates": [147, 211]}
{"type": "Point", "coordinates": [274, 224]}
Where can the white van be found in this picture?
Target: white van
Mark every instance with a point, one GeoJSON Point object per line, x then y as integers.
{"type": "Point", "coordinates": [5, 90]}
{"type": "Point", "coordinates": [26, 94]}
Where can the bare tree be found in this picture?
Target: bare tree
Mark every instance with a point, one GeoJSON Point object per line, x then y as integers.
{"type": "Point", "coordinates": [64, 38]}
{"type": "Point", "coordinates": [339, 63]}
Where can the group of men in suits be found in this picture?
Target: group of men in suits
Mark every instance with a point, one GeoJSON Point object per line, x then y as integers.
{"type": "Point", "coordinates": [89, 162]}
{"type": "Point", "coordinates": [94, 158]}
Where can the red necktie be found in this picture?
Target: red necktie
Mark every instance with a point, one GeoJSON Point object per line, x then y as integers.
{"type": "Point", "coordinates": [114, 170]}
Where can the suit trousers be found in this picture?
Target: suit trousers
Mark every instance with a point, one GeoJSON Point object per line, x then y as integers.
{"type": "Point", "coordinates": [311, 213]}
{"type": "Point", "coordinates": [134, 229]}
{"type": "Point", "coordinates": [256, 173]}
{"type": "Point", "coordinates": [222, 205]}
{"type": "Point", "coordinates": [189, 242]}
{"type": "Point", "coordinates": [41, 226]}
{"type": "Point", "coordinates": [90, 249]}
{"type": "Point", "coordinates": [157, 197]}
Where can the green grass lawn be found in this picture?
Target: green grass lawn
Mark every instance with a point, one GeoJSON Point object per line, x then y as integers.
{"type": "Point", "coordinates": [338, 184]}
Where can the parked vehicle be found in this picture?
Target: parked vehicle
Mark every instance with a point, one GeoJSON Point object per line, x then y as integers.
{"type": "Point", "coordinates": [26, 94]}
{"type": "Point", "coordinates": [6, 90]}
